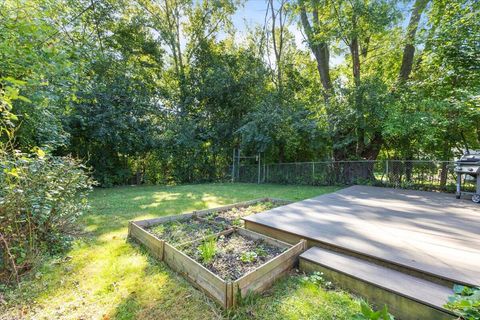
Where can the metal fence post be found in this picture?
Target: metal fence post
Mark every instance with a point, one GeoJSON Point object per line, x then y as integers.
{"type": "Point", "coordinates": [233, 166]}
{"type": "Point", "coordinates": [259, 168]}
{"type": "Point", "coordinates": [313, 172]}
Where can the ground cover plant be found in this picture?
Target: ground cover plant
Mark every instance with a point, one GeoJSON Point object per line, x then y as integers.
{"type": "Point", "coordinates": [231, 256]}
{"type": "Point", "coordinates": [465, 302]}
{"type": "Point", "coordinates": [103, 276]}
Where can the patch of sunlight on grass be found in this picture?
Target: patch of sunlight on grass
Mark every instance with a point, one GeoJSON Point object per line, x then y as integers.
{"type": "Point", "coordinates": [210, 200]}
{"type": "Point", "coordinates": [159, 197]}
{"type": "Point", "coordinates": [105, 276]}
{"type": "Point", "coordinates": [112, 235]}
{"type": "Point", "coordinates": [291, 298]}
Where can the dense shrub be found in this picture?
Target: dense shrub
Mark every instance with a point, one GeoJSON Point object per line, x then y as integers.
{"type": "Point", "coordinates": [41, 198]}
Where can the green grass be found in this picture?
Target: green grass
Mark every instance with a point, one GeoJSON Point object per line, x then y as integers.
{"type": "Point", "coordinates": [104, 277]}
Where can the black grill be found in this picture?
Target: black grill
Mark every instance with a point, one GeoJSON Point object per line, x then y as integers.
{"type": "Point", "coordinates": [468, 168]}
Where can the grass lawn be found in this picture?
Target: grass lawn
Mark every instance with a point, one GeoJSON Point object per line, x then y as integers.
{"type": "Point", "coordinates": [104, 277]}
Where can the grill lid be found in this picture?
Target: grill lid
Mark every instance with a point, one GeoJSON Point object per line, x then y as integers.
{"type": "Point", "coordinates": [469, 158]}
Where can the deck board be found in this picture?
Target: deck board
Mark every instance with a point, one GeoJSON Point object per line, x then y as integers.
{"type": "Point", "coordinates": [428, 231]}
{"type": "Point", "coordinates": [415, 288]}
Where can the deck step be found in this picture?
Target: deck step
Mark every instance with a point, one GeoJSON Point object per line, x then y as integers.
{"type": "Point", "coordinates": [407, 297]}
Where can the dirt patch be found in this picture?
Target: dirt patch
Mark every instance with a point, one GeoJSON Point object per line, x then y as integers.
{"type": "Point", "coordinates": [233, 255]}
{"type": "Point", "coordinates": [234, 216]}
{"type": "Point", "coordinates": [177, 232]}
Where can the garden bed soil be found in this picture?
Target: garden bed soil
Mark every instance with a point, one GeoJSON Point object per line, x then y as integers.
{"type": "Point", "coordinates": [179, 231]}
{"type": "Point", "coordinates": [235, 255]}
{"type": "Point", "coordinates": [176, 232]}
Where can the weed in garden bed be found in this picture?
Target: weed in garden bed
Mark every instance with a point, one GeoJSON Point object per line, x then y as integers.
{"type": "Point", "coordinates": [235, 255]}
{"type": "Point", "coordinates": [248, 257]}
{"type": "Point", "coordinates": [207, 249]}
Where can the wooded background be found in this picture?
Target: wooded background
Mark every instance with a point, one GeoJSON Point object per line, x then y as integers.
{"type": "Point", "coordinates": [161, 91]}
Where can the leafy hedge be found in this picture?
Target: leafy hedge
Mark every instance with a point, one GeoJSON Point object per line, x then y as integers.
{"type": "Point", "coordinates": [41, 198]}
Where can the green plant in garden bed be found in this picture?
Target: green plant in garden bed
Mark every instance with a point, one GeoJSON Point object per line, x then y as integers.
{"type": "Point", "coordinates": [208, 249]}
{"type": "Point", "coordinates": [248, 256]}
{"type": "Point", "coordinates": [465, 302]}
{"type": "Point", "coordinates": [234, 254]}
{"type": "Point", "coordinates": [251, 256]}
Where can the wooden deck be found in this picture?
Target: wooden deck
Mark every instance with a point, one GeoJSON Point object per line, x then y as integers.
{"type": "Point", "coordinates": [425, 231]}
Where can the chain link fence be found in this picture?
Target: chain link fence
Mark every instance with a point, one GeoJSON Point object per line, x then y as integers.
{"type": "Point", "coordinates": [406, 174]}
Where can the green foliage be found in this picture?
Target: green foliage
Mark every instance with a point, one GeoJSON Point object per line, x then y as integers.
{"type": "Point", "coordinates": [248, 257]}
{"type": "Point", "coordinates": [41, 198]}
{"type": "Point", "coordinates": [208, 249]}
{"type": "Point", "coordinates": [465, 302]}
{"type": "Point", "coordinates": [367, 313]}
{"type": "Point", "coordinates": [9, 92]}
{"type": "Point", "coordinates": [260, 251]}
{"type": "Point", "coordinates": [161, 91]}
{"type": "Point", "coordinates": [105, 266]}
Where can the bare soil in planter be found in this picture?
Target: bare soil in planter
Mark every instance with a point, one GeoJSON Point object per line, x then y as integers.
{"type": "Point", "coordinates": [234, 255]}
{"type": "Point", "coordinates": [180, 231]}
{"type": "Point", "coordinates": [233, 216]}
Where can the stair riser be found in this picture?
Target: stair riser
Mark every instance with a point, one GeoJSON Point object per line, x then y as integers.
{"type": "Point", "coordinates": [292, 238]}
{"type": "Point", "coordinates": [402, 307]}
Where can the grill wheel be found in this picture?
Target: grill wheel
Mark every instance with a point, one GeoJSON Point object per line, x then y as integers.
{"type": "Point", "coordinates": [476, 198]}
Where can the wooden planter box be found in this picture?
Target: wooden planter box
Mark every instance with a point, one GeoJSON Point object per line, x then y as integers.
{"type": "Point", "coordinates": [155, 245]}
{"type": "Point", "coordinates": [226, 293]}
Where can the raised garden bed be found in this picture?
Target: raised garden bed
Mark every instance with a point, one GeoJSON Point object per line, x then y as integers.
{"type": "Point", "coordinates": [224, 262]}
{"type": "Point", "coordinates": [232, 254]}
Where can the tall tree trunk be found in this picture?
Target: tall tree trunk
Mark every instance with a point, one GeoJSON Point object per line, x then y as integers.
{"type": "Point", "coordinates": [355, 52]}
{"type": "Point", "coordinates": [373, 149]}
{"type": "Point", "coordinates": [321, 52]}
{"type": "Point", "coordinates": [409, 49]}
{"type": "Point", "coordinates": [319, 49]}
{"type": "Point", "coordinates": [277, 41]}
{"type": "Point", "coordinates": [281, 152]}
{"type": "Point", "coordinates": [360, 121]}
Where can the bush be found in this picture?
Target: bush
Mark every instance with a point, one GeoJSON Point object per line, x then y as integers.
{"type": "Point", "coordinates": [465, 302]}
{"type": "Point", "coordinates": [41, 198]}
